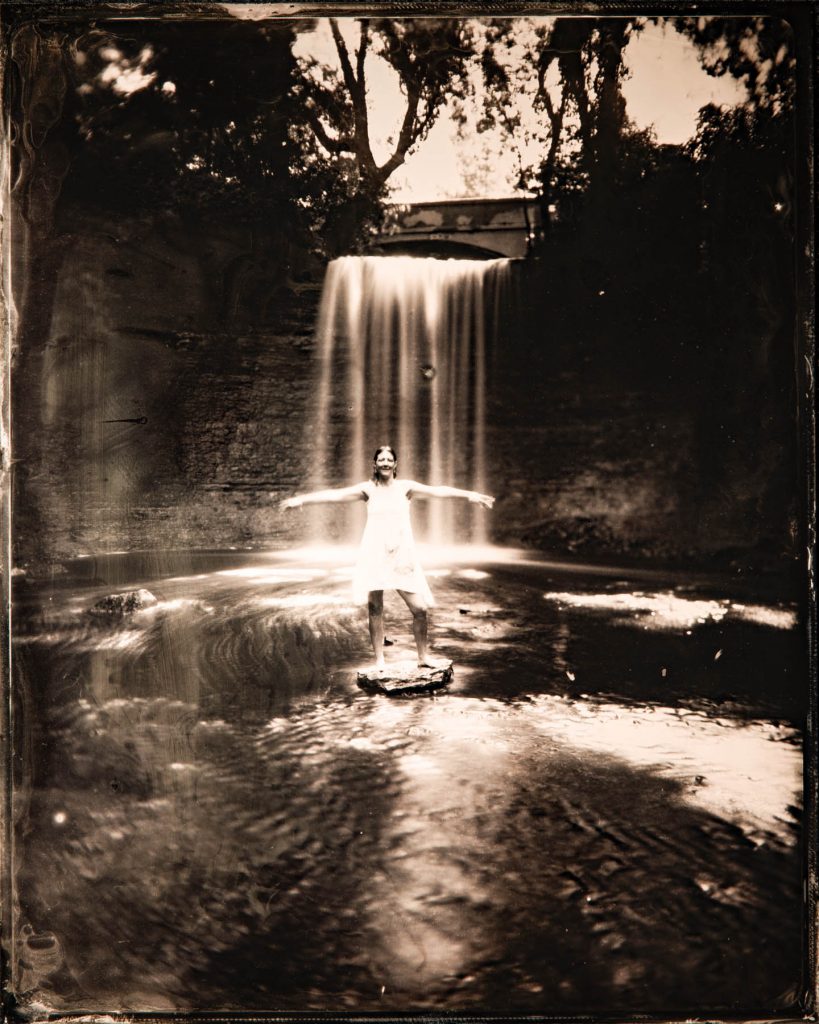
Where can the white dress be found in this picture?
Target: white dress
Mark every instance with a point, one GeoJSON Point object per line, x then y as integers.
{"type": "Point", "coordinates": [387, 558]}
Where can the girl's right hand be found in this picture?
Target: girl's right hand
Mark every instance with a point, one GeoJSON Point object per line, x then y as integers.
{"type": "Point", "coordinates": [289, 503]}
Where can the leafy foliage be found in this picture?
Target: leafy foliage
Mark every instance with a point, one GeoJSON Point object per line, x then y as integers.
{"type": "Point", "coordinates": [757, 50]}
{"type": "Point", "coordinates": [203, 120]}
{"type": "Point", "coordinates": [430, 58]}
{"type": "Point", "coordinates": [218, 115]}
{"type": "Point", "coordinates": [578, 67]}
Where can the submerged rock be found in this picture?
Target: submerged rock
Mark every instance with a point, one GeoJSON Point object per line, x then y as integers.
{"type": "Point", "coordinates": [114, 606]}
{"type": "Point", "coordinates": [405, 677]}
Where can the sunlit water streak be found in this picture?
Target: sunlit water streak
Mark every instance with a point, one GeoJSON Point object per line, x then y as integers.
{"type": "Point", "coordinates": [740, 772]}
{"type": "Point", "coordinates": [671, 611]}
{"type": "Point", "coordinates": [402, 348]}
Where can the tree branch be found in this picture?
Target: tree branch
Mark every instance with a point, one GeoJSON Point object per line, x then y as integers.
{"type": "Point", "coordinates": [407, 135]}
{"type": "Point", "coordinates": [362, 50]}
{"type": "Point", "coordinates": [358, 97]}
{"type": "Point", "coordinates": [573, 74]}
{"type": "Point", "coordinates": [362, 118]}
{"type": "Point", "coordinates": [344, 57]}
{"type": "Point", "coordinates": [340, 145]}
{"type": "Point", "coordinates": [397, 54]}
{"type": "Point", "coordinates": [556, 121]}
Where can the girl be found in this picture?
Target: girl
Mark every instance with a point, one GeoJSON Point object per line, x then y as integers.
{"type": "Point", "coordinates": [387, 558]}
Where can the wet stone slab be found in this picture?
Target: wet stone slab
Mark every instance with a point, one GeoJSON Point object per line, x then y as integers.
{"type": "Point", "coordinates": [405, 677]}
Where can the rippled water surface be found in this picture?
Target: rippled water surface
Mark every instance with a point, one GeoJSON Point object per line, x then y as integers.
{"type": "Point", "coordinates": [600, 813]}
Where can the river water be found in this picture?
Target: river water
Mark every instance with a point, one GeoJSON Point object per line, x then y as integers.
{"type": "Point", "coordinates": [601, 813]}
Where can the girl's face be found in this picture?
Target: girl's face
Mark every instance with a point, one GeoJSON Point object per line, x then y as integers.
{"type": "Point", "coordinates": [385, 464]}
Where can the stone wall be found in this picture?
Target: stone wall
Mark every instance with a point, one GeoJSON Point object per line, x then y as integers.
{"type": "Point", "coordinates": [618, 445]}
{"type": "Point", "coordinates": [148, 416]}
{"type": "Point", "coordinates": [166, 409]}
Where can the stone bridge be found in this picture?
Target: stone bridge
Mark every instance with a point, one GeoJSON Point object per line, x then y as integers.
{"type": "Point", "coordinates": [465, 228]}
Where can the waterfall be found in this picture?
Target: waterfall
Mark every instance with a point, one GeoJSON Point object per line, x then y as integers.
{"type": "Point", "coordinates": [401, 346]}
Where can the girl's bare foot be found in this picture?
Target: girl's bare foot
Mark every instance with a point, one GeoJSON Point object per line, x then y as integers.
{"type": "Point", "coordinates": [432, 663]}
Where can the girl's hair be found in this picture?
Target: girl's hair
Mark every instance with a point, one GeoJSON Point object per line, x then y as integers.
{"type": "Point", "coordinates": [384, 448]}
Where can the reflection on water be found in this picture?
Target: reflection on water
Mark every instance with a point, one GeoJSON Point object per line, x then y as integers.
{"type": "Point", "coordinates": [594, 816]}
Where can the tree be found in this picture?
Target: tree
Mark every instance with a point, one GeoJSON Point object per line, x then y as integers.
{"type": "Point", "coordinates": [430, 57]}
{"type": "Point", "coordinates": [192, 119]}
{"type": "Point", "coordinates": [206, 114]}
{"type": "Point", "coordinates": [745, 160]}
{"type": "Point", "coordinates": [584, 108]}
{"type": "Point", "coordinates": [757, 50]}
{"type": "Point", "coordinates": [188, 114]}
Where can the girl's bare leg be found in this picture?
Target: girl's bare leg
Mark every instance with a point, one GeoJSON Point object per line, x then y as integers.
{"type": "Point", "coordinates": [419, 626]}
{"type": "Point", "coordinates": [375, 608]}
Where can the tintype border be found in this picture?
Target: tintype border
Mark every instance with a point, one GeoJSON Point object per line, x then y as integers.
{"type": "Point", "coordinates": [803, 15]}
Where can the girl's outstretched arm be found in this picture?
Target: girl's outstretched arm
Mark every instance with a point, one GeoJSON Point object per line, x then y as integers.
{"type": "Point", "coordinates": [333, 495]}
{"type": "Point", "coordinates": [425, 491]}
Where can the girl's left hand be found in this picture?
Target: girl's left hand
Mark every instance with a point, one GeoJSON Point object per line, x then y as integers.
{"type": "Point", "coordinates": [482, 499]}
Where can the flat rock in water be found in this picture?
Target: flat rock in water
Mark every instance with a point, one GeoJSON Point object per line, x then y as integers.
{"type": "Point", "coordinates": [405, 677]}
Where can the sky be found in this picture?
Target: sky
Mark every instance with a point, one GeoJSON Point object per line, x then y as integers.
{"type": "Point", "coordinates": [664, 88]}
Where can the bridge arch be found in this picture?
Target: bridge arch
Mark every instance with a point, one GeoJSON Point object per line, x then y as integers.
{"type": "Point", "coordinates": [443, 249]}
{"type": "Point", "coordinates": [465, 228]}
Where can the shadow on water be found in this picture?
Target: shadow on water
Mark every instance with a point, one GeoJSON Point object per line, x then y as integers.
{"type": "Point", "coordinates": [600, 814]}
